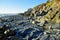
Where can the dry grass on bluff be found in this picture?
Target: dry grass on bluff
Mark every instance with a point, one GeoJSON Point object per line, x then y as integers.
{"type": "Point", "coordinates": [47, 13]}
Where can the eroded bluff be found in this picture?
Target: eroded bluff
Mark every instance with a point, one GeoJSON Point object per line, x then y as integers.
{"type": "Point", "coordinates": [39, 23]}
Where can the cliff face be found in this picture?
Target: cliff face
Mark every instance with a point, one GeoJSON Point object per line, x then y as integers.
{"type": "Point", "coordinates": [47, 13]}
{"type": "Point", "coordinates": [39, 23]}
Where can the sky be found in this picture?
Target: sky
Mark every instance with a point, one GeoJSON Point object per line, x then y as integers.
{"type": "Point", "coordinates": [18, 6]}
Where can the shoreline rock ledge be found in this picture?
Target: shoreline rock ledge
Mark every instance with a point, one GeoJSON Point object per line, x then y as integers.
{"type": "Point", "coordinates": [39, 23]}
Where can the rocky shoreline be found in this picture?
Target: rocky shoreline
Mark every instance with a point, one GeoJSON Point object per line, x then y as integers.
{"type": "Point", "coordinates": [39, 23]}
